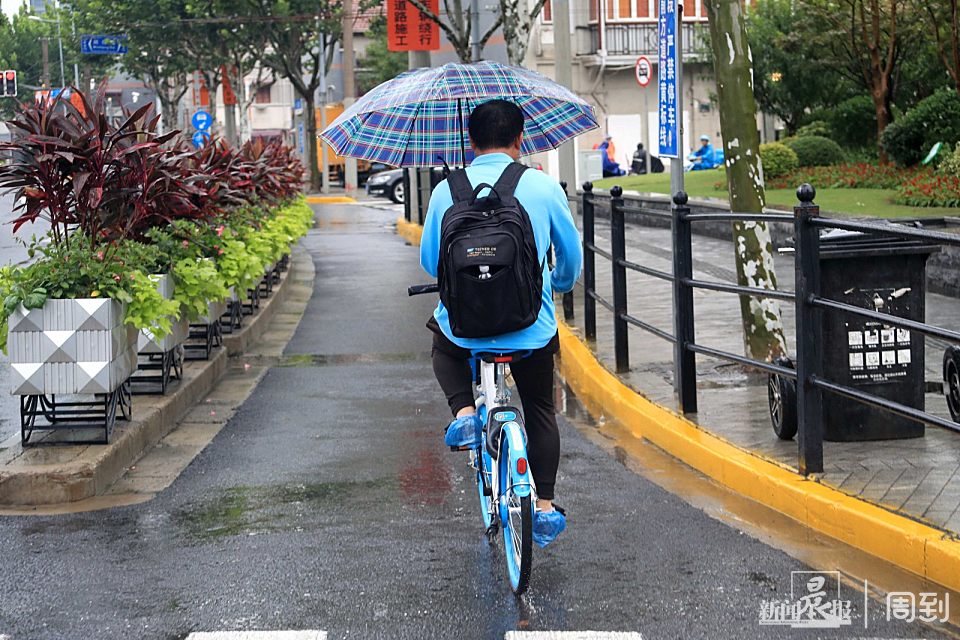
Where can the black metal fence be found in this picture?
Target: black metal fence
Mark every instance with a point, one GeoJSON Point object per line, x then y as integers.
{"type": "Point", "coordinates": [810, 375]}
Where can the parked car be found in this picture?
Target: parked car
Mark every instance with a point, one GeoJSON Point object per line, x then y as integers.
{"type": "Point", "coordinates": [387, 184]}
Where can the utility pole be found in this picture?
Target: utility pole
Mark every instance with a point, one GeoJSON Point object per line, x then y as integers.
{"type": "Point", "coordinates": [416, 60]}
{"type": "Point", "coordinates": [45, 56]}
{"type": "Point", "coordinates": [349, 90]}
{"type": "Point", "coordinates": [324, 159]}
{"type": "Point", "coordinates": [563, 61]}
{"type": "Point", "coordinates": [475, 28]}
{"type": "Point", "coordinates": [76, 67]}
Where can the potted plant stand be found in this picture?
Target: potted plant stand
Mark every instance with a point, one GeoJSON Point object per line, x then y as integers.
{"type": "Point", "coordinates": [232, 319]}
{"type": "Point", "coordinates": [161, 355]}
{"type": "Point", "coordinates": [266, 284]}
{"type": "Point", "coordinates": [206, 334]}
{"type": "Point", "coordinates": [71, 362]}
{"type": "Point", "coordinates": [253, 300]}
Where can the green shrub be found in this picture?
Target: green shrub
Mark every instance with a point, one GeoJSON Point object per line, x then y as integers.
{"type": "Point", "coordinates": [934, 119]}
{"type": "Point", "coordinates": [778, 159]}
{"type": "Point", "coordinates": [816, 151]}
{"type": "Point", "coordinates": [815, 128]}
{"type": "Point", "coordinates": [853, 122]}
{"type": "Point", "coordinates": [949, 163]}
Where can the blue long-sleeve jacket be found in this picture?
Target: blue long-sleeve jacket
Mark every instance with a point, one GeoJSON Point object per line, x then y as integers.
{"type": "Point", "coordinates": [546, 204]}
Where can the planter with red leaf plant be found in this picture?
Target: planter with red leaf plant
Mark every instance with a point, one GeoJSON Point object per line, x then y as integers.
{"type": "Point", "coordinates": [70, 319]}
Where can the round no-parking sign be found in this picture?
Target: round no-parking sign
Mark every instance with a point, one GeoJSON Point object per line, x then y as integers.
{"type": "Point", "coordinates": [643, 70]}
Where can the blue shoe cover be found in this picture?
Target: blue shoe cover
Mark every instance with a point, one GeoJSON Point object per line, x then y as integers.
{"type": "Point", "coordinates": [547, 525]}
{"type": "Point", "coordinates": [463, 432]}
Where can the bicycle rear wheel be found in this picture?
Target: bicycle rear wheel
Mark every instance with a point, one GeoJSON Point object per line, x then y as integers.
{"type": "Point", "coordinates": [516, 514]}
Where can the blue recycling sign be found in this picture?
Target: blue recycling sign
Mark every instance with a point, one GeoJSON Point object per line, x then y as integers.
{"type": "Point", "coordinates": [202, 120]}
{"type": "Point", "coordinates": [103, 45]}
{"type": "Point", "coordinates": [668, 131]}
{"type": "Point", "coordinates": [200, 137]}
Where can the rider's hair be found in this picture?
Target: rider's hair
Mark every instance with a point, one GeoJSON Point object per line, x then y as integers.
{"type": "Point", "coordinates": [495, 124]}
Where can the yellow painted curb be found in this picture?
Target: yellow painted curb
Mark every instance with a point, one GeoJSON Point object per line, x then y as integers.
{"type": "Point", "coordinates": [409, 231]}
{"type": "Point", "coordinates": [331, 200]}
{"type": "Point", "coordinates": [906, 543]}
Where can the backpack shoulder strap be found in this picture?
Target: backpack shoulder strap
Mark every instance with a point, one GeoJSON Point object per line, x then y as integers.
{"type": "Point", "coordinates": [509, 180]}
{"type": "Point", "coordinates": [460, 188]}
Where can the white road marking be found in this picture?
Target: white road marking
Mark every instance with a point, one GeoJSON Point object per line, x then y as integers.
{"type": "Point", "coordinates": [572, 635]}
{"type": "Point", "coordinates": [256, 635]}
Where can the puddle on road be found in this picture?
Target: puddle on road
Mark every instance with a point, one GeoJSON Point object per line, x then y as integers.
{"type": "Point", "coordinates": [752, 518]}
{"type": "Point", "coordinates": [320, 360]}
{"type": "Point", "coordinates": [246, 510]}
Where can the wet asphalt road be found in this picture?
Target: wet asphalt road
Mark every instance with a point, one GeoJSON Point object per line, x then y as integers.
{"type": "Point", "coordinates": [329, 502]}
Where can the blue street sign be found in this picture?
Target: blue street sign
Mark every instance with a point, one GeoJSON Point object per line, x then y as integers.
{"type": "Point", "coordinates": [300, 136]}
{"type": "Point", "coordinates": [199, 138]}
{"type": "Point", "coordinates": [103, 45]}
{"type": "Point", "coordinates": [668, 133]}
{"type": "Point", "coordinates": [297, 104]}
{"type": "Point", "coordinates": [202, 120]}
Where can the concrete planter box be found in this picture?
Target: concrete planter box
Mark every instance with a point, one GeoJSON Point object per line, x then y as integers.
{"type": "Point", "coordinates": [71, 346]}
{"type": "Point", "coordinates": [149, 343]}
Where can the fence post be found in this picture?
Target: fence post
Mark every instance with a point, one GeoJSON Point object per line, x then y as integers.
{"type": "Point", "coordinates": [568, 296]}
{"type": "Point", "coordinates": [809, 330]}
{"type": "Point", "coordinates": [589, 265]}
{"type": "Point", "coordinates": [684, 360]}
{"type": "Point", "coordinates": [406, 191]}
{"type": "Point", "coordinates": [618, 248]}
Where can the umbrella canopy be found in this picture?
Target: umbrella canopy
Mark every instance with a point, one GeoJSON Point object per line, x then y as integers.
{"type": "Point", "coordinates": [420, 117]}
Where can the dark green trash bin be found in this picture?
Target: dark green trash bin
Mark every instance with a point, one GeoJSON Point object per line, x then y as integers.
{"type": "Point", "coordinates": [881, 273]}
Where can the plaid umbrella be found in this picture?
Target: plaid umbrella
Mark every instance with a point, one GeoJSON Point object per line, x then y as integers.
{"type": "Point", "coordinates": [419, 117]}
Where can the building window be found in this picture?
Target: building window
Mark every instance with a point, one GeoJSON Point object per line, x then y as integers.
{"type": "Point", "coordinates": [547, 14]}
{"type": "Point", "coordinates": [263, 95]}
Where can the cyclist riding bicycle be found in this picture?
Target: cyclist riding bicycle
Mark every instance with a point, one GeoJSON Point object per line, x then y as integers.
{"type": "Point", "coordinates": [496, 132]}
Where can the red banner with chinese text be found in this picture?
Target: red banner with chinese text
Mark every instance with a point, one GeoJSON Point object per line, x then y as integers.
{"type": "Point", "coordinates": [409, 30]}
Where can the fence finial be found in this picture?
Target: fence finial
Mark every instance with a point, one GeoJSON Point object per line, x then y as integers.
{"type": "Point", "coordinates": [616, 191]}
{"type": "Point", "coordinates": [680, 198]}
{"type": "Point", "coordinates": [806, 193]}
{"type": "Point", "coordinates": [588, 186]}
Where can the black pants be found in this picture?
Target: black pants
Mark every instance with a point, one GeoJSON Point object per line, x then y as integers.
{"type": "Point", "coordinates": [533, 376]}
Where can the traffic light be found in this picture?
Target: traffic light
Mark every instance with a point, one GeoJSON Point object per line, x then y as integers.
{"type": "Point", "coordinates": [9, 84]}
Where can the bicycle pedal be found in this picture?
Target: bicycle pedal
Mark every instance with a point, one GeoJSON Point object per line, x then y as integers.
{"type": "Point", "coordinates": [491, 531]}
{"type": "Point", "coordinates": [460, 448]}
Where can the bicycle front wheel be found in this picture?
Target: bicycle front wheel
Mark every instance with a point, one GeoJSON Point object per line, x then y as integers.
{"type": "Point", "coordinates": [517, 516]}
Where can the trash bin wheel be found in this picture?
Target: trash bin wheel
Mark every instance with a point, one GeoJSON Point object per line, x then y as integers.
{"type": "Point", "coordinates": [782, 399]}
{"type": "Point", "coordinates": [951, 380]}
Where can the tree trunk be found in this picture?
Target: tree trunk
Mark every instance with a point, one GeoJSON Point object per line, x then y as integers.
{"type": "Point", "coordinates": [762, 326]}
{"type": "Point", "coordinates": [313, 166]}
{"type": "Point", "coordinates": [882, 106]}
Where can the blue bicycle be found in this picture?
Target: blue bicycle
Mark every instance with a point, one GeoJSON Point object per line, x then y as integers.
{"type": "Point", "coordinates": [504, 482]}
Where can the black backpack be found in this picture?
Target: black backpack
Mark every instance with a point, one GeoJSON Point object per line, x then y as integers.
{"type": "Point", "coordinates": [491, 281]}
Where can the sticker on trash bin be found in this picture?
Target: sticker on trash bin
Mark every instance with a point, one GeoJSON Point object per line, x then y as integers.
{"type": "Point", "coordinates": [856, 361]}
{"type": "Point", "coordinates": [903, 336]}
{"type": "Point", "coordinates": [872, 337]}
{"type": "Point", "coordinates": [873, 358]}
{"type": "Point", "coordinates": [903, 356]}
{"type": "Point", "coordinates": [886, 335]}
{"type": "Point", "coordinates": [855, 338]}
{"type": "Point", "coordinates": [889, 357]}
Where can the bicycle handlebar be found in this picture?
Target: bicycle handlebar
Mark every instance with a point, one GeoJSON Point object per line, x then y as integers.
{"type": "Point", "coordinates": [417, 289]}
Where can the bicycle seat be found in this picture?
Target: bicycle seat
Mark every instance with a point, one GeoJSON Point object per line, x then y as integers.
{"type": "Point", "coordinates": [500, 356]}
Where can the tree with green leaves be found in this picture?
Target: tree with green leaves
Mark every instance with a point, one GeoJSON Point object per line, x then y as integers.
{"type": "Point", "coordinates": [378, 63]}
{"type": "Point", "coordinates": [290, 37]}
{"type": "Point", "coordinates": [157, 31]}
{"type": "Point", "coordinates": [733, 66]}
{"type": "Point", "coordinates": [790, 75]}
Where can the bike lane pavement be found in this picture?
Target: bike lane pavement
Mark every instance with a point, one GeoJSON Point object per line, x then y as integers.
{"type": "Point", "coordinates": [329, 502]}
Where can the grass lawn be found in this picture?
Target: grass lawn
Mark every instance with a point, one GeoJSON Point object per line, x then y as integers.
{"type": "Point", "coordinates": [859, 202]}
